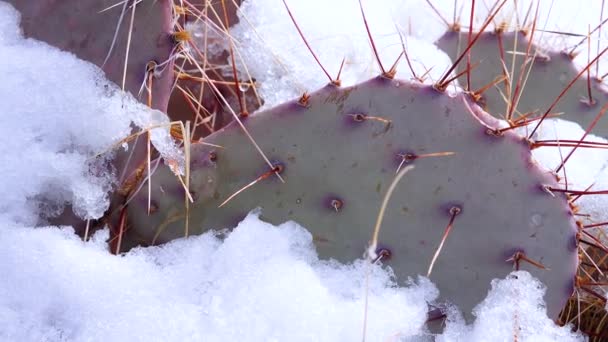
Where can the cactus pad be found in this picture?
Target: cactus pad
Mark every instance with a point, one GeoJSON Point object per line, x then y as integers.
{"type": "Point", "coordinates": [83, 28]}
{"type": "Point", "coordinates": [338, 151]}
{"type": "Point", "coordinates": [542, 76]}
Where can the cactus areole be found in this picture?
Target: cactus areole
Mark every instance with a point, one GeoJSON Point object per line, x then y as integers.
{"type": "Point", "coordinates": [338, 151]}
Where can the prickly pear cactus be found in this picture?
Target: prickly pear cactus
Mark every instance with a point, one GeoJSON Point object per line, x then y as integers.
{"type": "Point", "coordinates": [338, 150]}
{"type": "Point", "coordinates": [85, 29]}
{"type": "Point", "coordinates": [518, 78]}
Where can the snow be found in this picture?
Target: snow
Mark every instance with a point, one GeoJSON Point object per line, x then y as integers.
{"type": "Point", "coordinates": [263, 283]}
{"type": "Point", "coordinates": [257, 283]}
{"type": "Point", "coordinates": [586, 168]}
{"type": "Point", "coordinates": [512, 311]}
{"type": "Point", "coordinates": [58, 113]}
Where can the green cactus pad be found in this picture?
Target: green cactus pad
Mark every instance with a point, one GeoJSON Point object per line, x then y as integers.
{"type": "Point", "coordinates": [83, 28]}
{"type": "Point", "coordinates": [338, 154]}
{"type": "Point", "coordinates": [543, 78]}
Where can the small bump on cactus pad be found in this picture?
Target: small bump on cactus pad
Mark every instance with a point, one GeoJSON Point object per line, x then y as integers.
{"type": "Point", "coordinates": [339, 153]}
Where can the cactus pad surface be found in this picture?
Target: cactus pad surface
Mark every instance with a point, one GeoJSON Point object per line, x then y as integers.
{"type": "Point", "coordinates": [339, 149]}
{"type": "Point", "coordinates": [533, 78]}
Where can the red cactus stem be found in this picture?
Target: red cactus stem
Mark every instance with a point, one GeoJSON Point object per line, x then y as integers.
{"type": "Point", "coordinates": [599, 243]}
{"type": "Point", "coordinates": [590, 100]}
{"type": "Point", "coordinates": [518, 256]}
{"type": "Point", "coordinates": [116, 241]}
{"type": "Point", "coordinates": [337, 82]}
{"type": "Point", "coordinates": [573, 142]}
{"type": "Point", "coordinates": [503, 64]}
{"type": "Point", "coordinates": [591, 260]}
{"type": "Point", "coordinates": [584, 263]}
{"type": "Point", "coordinates": [469, 42]}
{"type": "Point", "coordinates": [524, 121]}
{"type": "Point", "coordinates": [594, 283]}
{"type": "Point", "coordinates": [490, 11]}
{"type": "Point", "coordinates": [423, 76]}
{"type": "Point", "coordinates": [454, 211]}
{"type": "Point", "coordinates": [443, 86]}
{"type": "Point", "coordinates": [277, 169]}
{"type": "Point", "coordinates": [407, 58]}
{"type": "Point", "coordinates": [595, 225]}
{"type": "Point", "coordinates": [568, 143]}
{"type": "Point", "coordinates": [447, 24]}
{"type": "Point", "coordinates": [295, 23]}
{"type": "Point", "coordinates": [303, 100]}
{"type": "Point", "coordinates": [187, 96]}
{"type": "Point", "coordinates": [390, 74]}
{"type": "Point", "coordinates": [456, 17]}
{"type": "Point", "coordinates": [477, 93]}
{"type": "Point", "coordinates": [236, 117]}
{"type": "Point", "coordinates": [578, 192]}
{"type": "Point", "coordinates": [442, 81]}
{"type": "Point", "coordinates": [203, 13]}
{"type": "Point", "coordinates": [410, 157]}
{"type": "Point", "coordinates": [598, 27]}
{"type": "Point", "coordinates": [150, 69]}
{"type": "Point", "coordinates": [597, 65]}
{"type": "Point", "coordinates": [237, 89]}
{"type": "Point", "coordinates": [184, 76]}
{"type": "Point", "coordinates": [561, 157]}
{"type": "Point", "coordinates": [527, 16]}
{"type": "Point", "coordinates": [593, 293]}
{"type": "Point", "coordinates": [371, 39]}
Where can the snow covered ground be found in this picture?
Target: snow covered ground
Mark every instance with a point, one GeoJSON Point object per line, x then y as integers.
{"type": "Point", "coordinates": [261, 283]}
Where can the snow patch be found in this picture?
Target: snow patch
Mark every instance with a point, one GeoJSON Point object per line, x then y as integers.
{"type": "Point", "coordinates": [58, 113]}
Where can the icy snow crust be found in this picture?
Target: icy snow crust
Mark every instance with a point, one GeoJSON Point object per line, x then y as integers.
{"type": "Point", "coordinates": [58, 113]}
{"type": "Point", "coordinates": [257, 283]}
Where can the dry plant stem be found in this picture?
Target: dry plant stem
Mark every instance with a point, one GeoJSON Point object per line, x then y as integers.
{"type": "Point", "coordinates": [187, 196]}
{"type": "Point", "coordinates": [129, 36]}
{"type": "Point", "coordinates": [371, 251]}
{"type": "Point", "coordinates": [234, 72]}
{"type": "Point", "coordinates": [519, 87]}
{"type": "Point", "coordinates": [236, 118]}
